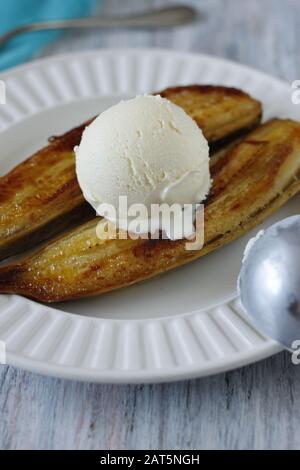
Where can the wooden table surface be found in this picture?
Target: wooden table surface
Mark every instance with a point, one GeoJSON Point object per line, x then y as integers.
{"type": "Point", "coordinates": [254, 407]}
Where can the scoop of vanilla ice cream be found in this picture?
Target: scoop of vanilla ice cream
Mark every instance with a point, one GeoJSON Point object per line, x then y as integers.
{"type": "Point", "coordinates": [147, 149]}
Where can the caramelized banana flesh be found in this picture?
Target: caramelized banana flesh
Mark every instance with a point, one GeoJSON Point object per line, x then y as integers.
{"type": "Point", "coordinates": [251, 181]}
{"type": "Point", "coordinates": [41, 196]}
{"type": "Point", "coordinates": [223, 113]}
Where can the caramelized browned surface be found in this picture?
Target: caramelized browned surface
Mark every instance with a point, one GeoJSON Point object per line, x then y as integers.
{"type": "Point", "coordinates": [251, 181]}
{"type": "Point", "coordinates": [220, 111]}
{"type": "Point", "coordinates": [41, 196]}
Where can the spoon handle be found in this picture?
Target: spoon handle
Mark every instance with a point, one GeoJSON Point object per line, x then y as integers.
{"type": "Point", "coordinates": [161, 18]}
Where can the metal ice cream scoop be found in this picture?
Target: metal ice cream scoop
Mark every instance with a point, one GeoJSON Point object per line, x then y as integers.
{"type": "Point", "coordinates": [269, 281]}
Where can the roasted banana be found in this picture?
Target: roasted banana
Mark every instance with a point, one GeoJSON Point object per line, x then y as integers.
{"type": "Point", "coordinates": [251, 181]}
{"type": "Point", "coordinates": [41, 197]}
{"type": "Point", "coordinates": [223, 113]}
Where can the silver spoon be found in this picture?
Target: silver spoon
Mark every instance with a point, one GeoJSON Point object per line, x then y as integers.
{"type": "Point", "coordinates": [160, 18]}
{"type": "Point", "coordinates": [269, 281]}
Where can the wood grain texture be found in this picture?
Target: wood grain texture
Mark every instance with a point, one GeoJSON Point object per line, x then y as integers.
{"type": "Point", "coordinates": [254, 407]}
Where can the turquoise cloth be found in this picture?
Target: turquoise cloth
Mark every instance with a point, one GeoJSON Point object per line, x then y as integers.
{"type": "Point", "coordinates": [18, 12]}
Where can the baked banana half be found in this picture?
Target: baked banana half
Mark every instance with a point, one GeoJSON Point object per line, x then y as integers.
{"type": "Point", "coordinates": [215, 110]}
{"type": "Point", "coordinates": [41, 196]}
{"type": "Point", "coordinates": [251, 180]}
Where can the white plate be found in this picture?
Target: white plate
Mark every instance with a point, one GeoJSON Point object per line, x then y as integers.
{"type": "Point", "coordinates": [187, 323]}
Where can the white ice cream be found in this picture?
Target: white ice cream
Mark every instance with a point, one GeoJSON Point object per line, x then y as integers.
{"type": "Point", "coordinates": [147, 149]}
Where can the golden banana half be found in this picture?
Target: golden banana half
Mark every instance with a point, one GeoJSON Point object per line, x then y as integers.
{"type": "Point", "coordinates": [41, 197]}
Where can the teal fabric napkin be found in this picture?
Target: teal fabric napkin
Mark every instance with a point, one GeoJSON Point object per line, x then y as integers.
{"type": "Point", "coordinates": [18, 12]}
